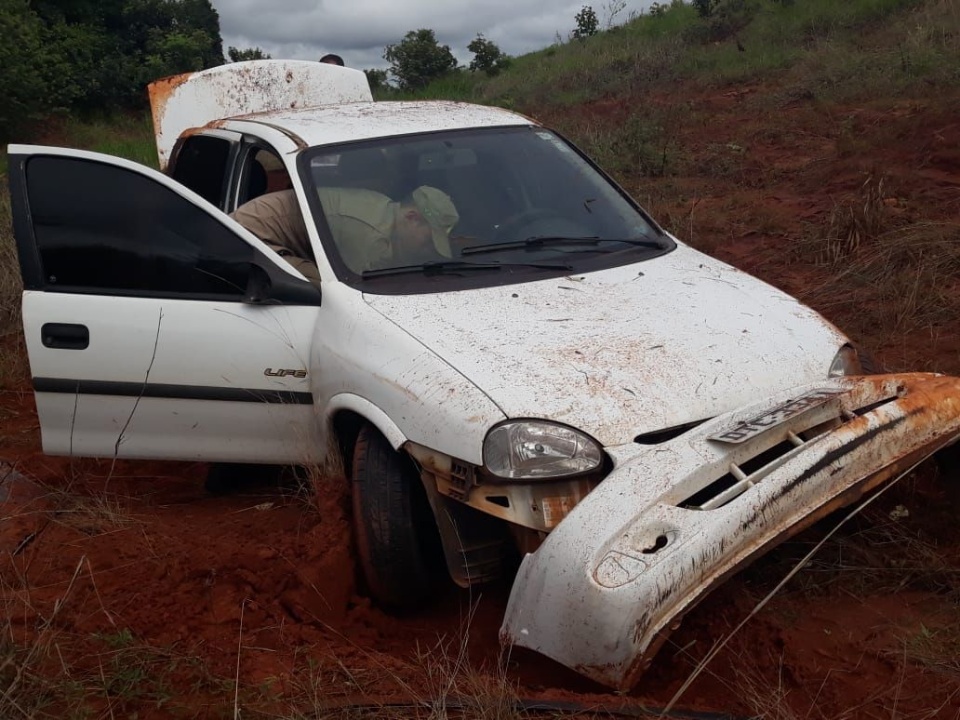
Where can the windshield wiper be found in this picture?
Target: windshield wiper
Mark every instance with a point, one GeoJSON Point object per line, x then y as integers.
{"type": "Point", "coordinates": [454, 267]}
{"type": "Point", "coordinates": [539, 241]}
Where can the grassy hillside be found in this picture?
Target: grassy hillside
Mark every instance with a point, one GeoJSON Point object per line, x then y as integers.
{"type": "Point", "coordinates": [832, 49]}
{"type": "Point", "coordinates": [813, 50]}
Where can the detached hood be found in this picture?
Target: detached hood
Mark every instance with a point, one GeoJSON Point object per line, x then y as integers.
{"type": "Point", "coordinates": [622, 352]}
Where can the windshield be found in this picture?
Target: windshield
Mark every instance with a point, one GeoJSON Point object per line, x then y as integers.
{"type": "Point", "coordinates": [416, 213]}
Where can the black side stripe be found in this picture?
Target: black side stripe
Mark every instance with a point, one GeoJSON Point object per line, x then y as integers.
{"type": "Point", "coordinates": [177, 392]}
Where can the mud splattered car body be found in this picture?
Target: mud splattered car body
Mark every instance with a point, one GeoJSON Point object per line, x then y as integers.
{"type": "Point", "coordinates": [565, 377]}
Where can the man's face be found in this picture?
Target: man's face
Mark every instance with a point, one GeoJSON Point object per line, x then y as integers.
{"type": "Point", "coordinates": [412, 237]}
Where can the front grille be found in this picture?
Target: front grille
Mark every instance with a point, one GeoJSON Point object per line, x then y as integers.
{"type": "Point", "coordinates": [740, 477]}
{"type": "Point", "coordinates": [744, 474]}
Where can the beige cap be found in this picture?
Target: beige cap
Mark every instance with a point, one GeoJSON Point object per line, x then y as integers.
{"type": "Point", "coordinates": [438, 210]}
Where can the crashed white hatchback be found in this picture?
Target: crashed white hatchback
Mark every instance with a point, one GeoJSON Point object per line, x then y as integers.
{"type": "Point", "coordinates": [563, 378]}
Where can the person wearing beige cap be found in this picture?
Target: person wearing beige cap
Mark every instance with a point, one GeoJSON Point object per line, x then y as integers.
{"type": "Point", "coordinates": [370, 230]}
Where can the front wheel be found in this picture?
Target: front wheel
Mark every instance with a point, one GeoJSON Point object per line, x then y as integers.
{"type": "Point", "coordinates": [396, 535]}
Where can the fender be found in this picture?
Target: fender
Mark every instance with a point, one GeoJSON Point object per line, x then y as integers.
{"type": "Point", "coordinates": [374, 415]}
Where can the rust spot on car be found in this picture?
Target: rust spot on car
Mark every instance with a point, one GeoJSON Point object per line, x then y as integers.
{"type": "Point", "coordinates": [159, 93]}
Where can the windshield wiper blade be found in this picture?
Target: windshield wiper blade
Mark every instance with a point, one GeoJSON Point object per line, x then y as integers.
{"type": "Point", "coordinates": [539, 241]}
{"type": "Point", "coordinates": [452, 267]}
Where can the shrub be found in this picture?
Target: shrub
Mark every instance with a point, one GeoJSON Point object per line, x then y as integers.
{"type": "Point", "coordinates": [418, 59]}
{"type": "Point", "coordinates": [487, 57]}
{"type": "Point", "coordinates": [587, 23]}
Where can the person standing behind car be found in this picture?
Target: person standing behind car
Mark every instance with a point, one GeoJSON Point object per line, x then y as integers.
{"type": "Point", "coordinates": [331, 59]}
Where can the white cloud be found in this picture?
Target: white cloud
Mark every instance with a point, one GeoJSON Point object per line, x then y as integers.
{"type": "Point", "coordinates": [358, 30]}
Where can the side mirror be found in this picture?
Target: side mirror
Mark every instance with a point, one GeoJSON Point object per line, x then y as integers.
{"type": "Point", "coordinates": [258, 286]}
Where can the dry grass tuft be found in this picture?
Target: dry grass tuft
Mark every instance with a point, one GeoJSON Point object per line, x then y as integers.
{"type": "Point", "coordinates": [91, 514]}
{"type": "Point", "coordinates": [854, 222]}
{"type": "Point", "coordinates": [454, 683]}
{"type": "Point", "coordinates": [936, 649]}
{"type": "Point", "coordinates": [901, 279]}
{"type": "Point", "coordinates": [765, 698]}
{"type": "Point", "coordinates": [885, 551]}
{"type": "Point", "coordinates": [25, 688]}
{"type": "Point", "coordinates": [439, 682]}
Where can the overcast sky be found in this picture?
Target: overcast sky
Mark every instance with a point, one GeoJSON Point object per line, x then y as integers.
{"type": "Point", "coordinates": [358, 30]}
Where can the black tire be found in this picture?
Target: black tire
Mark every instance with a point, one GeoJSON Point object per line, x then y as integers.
{"type": "Point", "coordinates": [396, 536]}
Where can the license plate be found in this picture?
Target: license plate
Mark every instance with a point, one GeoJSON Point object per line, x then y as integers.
{"type": "Point", "coordinates": [746, 430]}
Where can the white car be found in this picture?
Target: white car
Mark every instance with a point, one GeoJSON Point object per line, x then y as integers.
{"type": "Point", "coordinates": [565, 383]}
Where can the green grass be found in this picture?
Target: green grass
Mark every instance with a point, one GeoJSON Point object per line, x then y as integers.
{"type": "Point", "coordinates": [124, 136]}
{"type": "Point", "coordinates": [854, 48]}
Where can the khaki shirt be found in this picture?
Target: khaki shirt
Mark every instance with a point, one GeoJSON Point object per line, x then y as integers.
{"type": "Point", "coordinates": [276, 219]}
{"type": "Point", "coordinates": [361, 222]}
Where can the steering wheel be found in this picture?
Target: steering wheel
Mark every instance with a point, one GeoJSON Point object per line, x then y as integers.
{"type": "Point", "coordinates": [509, 227]}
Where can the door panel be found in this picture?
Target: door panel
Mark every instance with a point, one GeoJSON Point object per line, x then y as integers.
{"type": "Point", "coordinates": [153, 358]}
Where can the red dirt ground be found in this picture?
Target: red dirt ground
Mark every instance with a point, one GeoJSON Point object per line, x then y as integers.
{"type": "Point", "coordinates": [137, 563]}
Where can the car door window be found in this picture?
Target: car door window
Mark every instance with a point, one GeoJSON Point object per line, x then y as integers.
{"type": "Point", "coordinates": [261, 172]}
{"type": "Point", "coordinates": [201, 164]}
{"type": "Point", "coordinates": [107, 229]}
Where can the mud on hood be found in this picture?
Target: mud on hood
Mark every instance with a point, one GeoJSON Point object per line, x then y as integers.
{"type": "Point", "coordinates": [622, 352]}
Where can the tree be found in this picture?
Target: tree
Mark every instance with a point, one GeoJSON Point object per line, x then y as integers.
{"type": "Point", "coordinates": [587, 23]}
{"type": "Point", "coordinates": [376, 79]}
{"type": "Point", "coordinates": [172, 53]}
{"type": "Point", "coordinates": [97, 55]}
{"type": "Point", "coordinates": [237, 55]}
{"type": "Point", "coordinates": [201, 15]}
{"type": "Point", "coordinates": [487, 57]}
{"type": "Point", "coordinates": [418, 59]}
{"type": "Point", "coordinates": [106, 51]}
{"type": "Point", "coordinates": [23, 85]}
{"type": "Point", "coordinates": [705, 7]}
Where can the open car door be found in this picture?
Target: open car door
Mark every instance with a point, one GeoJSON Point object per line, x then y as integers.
{"type": "Point", "coordinates": [156, 326]}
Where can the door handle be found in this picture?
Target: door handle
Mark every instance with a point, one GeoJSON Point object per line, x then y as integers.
{"type": "Point", "coordinates": [65, 336]}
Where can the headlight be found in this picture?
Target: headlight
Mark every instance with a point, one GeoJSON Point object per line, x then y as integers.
{"type": "Point", "coordinates": [846, 362]}
{"type": "Point", "coordinates": [532, 449]}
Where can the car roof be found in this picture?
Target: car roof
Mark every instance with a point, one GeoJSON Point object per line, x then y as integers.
{"type": "Point", "coordinates": [350, 122]}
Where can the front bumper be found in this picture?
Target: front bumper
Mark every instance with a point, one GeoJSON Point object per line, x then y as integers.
{"type": "Point", "coordinates": [671, 521]}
